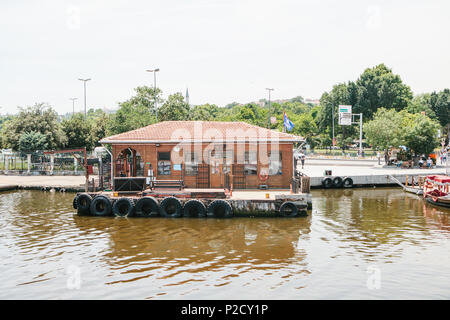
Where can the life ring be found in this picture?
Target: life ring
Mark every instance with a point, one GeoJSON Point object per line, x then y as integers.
{"type": "Point", "coordinates": [220, 209]}
{"type": "Point", "coordinates": [100, 206]}
{"type": "Point", "coordinates": [123, 207]}
{"type": "Point", "coordinates": [263, 175]}
{"type": "Point", "coordinates": [147, 207]}
{"type": "Point", "coordinates": [194, 208]}
{"type": "Point", "coordinates": [171, 207]}
{"type": "Point", "coordinates": [428, 184]}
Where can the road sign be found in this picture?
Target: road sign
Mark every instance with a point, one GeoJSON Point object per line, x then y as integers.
{"type": "Point", "coordinates": [345, 115]}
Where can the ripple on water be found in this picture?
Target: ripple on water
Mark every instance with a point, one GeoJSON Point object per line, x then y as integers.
{"type": "Point", "coordinates": [325, 255]}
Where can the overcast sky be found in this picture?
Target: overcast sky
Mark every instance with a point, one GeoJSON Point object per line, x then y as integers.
{"type": "Point", "coordinates": [223, 51]}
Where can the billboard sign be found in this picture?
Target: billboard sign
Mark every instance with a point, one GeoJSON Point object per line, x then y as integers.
{"type": "Point", "coordinates": [345, 115]}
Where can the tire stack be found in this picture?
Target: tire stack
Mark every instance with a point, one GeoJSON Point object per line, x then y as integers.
{"type": "Point", "coordinates": [337, 182]}
{"type": "Point", "coordinates": [169, 207]}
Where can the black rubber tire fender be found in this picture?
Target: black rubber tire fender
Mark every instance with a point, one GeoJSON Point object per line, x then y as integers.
{"type": "Point", "coordinates": [288, 209]}
{"type": "Point", "coordinates": [327, 183]}
{"type": "Point", "coordinates": [220, 209]}
{"type": "Point", "coordinates": [337, 182]}
{"type": "Point", "coordinates": [101, 206]}
{"type": "Point", "coordinates": [123, 207]}
{"type": "Point", "coordinates": [74, 202]}
{"type": "Point", "coordinates": [171, 207]}
{"type": "Point", "coordinates": [147, 207]}
{"type": "Point", "coordinates": [194, 208]}
{"type": "Point", "coordinates": [348, 182]}
{"type": "Point", "coordinates": [84, 201]}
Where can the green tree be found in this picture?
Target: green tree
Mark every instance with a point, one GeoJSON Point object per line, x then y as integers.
{"type": "Point", "coordinates": [78, 132]}
{"type": "Point", "coordinates": [420, 133]}
{"type": "Point", "coordinates": [379, 87]}
{"type": "Point", "coordinates": [440, 104]}
{"type": "Point", "coordinates": [32, 141]}
{"type": "Point", "coordinates": [99, 128]}
{"type": "Point", "coordinates": [385, 130]}
{"type": "Point", "coordinates": [38, 118]}
{"type": "Point", "coordinates": [174, 108]}
{"type": "Point", "coordinates": [136, 112]}
{"type": "Point", "coordinates": [206, 112]}
{"type": "Point", "coordinates": [421, 103]}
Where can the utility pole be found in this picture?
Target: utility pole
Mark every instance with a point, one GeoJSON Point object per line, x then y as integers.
{"type": "Point", "coordinates": [268, 120]}
{"type": "Point", "coordinates": [154, 87]}
{"type": "Point", "coordinates": [84, 82]}
{"type": "Point", "coordinates": [73, 105]}
{"type": "Point", "coordinates": [332, 116]}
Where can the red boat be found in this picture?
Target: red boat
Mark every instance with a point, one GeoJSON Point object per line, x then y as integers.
{"type": "Point", "coordinates": [436, 190]}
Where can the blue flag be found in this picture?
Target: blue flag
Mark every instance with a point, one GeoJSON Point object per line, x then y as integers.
{"type": "Point", "coordinates": [287, 123]}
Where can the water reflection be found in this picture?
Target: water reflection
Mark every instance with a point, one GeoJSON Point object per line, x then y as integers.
{"type": "Point", "coordinates": [213, 258]}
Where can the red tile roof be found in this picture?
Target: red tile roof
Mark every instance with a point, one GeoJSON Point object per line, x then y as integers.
{"type": "Point", "coordinates": [200, 131]}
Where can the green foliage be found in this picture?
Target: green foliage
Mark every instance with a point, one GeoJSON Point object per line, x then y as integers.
{"type": "Point", "coordinates": [420, 134]}
{"type": "Point", "coordinates": [390, 128]}
{"type": "Point", "coordinates": [175, 108]}
{"type": "Point", "coordinates": [421, 103]}
{"type": "Point", "coordinates": [136, 112]}
{"type": "Point", "coordinates": [440, 104]}
{"type": "Point", "coordinates": [205, 112]}
{"type": "Point", "coordinates": [379, 87]}
{"type": "Point", "coordinates": [32, 141]}
{"type": "Point", "coordinates": [78, 132]}
{"type": "Point", "coordinates": [38, 118]}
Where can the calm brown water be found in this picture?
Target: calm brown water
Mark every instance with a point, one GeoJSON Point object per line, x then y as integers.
{"type": "Point", "coordinates": [360, 243]}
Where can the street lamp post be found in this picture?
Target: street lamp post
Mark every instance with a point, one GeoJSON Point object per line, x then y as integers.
{"type": "Point", "coordinates": [154, 86]}
{"type": "Point", "coordinates": [73, 105]}
{"type": "Point", "coordinates": [84, 82]}
{"type": "Point", "coordinates": [268, 122]}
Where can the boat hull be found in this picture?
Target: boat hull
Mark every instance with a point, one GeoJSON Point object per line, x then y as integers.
{"type": "Point", "coordinates": [438, 203]}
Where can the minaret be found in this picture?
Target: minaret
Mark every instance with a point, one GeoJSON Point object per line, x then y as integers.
{"type": "Point", "coordinates": [187, 96]}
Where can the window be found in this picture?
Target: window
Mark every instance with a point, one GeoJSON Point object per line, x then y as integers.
{"type": "Point", "coordinates": [251, 163]}
{"type": "Point", "coordinates": [191, 163]}
{"type": "Point", "coordinates": [164, 163]}
{"type": "Point", "coordinates": [275, 164]}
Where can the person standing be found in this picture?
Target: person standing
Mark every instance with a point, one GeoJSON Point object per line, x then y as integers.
{"type": "Point", "coordinates": [302, 158]}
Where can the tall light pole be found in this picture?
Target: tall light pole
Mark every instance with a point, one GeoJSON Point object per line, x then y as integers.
{"type": "Point", "coordinates": [154, 86]}
{"type": "Point", "coordinates": [84, 82]}
{"type": "Point", "coordinates": [73, 105]}
{"type": "Point", "coordinates": [268, 122]}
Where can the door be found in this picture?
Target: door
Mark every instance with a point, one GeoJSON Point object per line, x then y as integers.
{"type": "Point", "coordinates": [203, 175]}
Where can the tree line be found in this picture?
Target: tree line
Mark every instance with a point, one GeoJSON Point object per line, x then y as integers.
{"type": "Point", "coordinates": [392, 115]}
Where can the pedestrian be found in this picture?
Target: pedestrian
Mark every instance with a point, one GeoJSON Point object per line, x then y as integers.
{"type": "Point", "coordinates": [429, 162]}
{"type": "Point", "coordinates": [379, 157]}
{"type": "Point", "coordinates": [303, 157]}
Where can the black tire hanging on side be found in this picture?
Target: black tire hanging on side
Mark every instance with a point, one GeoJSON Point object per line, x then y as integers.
{"type": "Point", "coordinates": [220, 209]}
{"type": "Point", "coordinates": [288, 209]}
{"type": "Point", "coordinates": [123, 207]}
{"type": "Point", "coordinates": [146, 207]}
{"type": "Point", "coordinates": [348, 182]}
{"type": "Point", "coordinates": [327, 183]}
{"type": "Point", "coordinates": [74, 202]}
{"type": "Point", "coordinates": [194, 208]}
{"type": "Point", "coordinates": [100, 206]}
{"type": "Point", "coordinates": [84, 201]}
{"type": "Point", "coordinates": [337, 182]}
{"type": "Point", "coordinates": [171, 207]}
